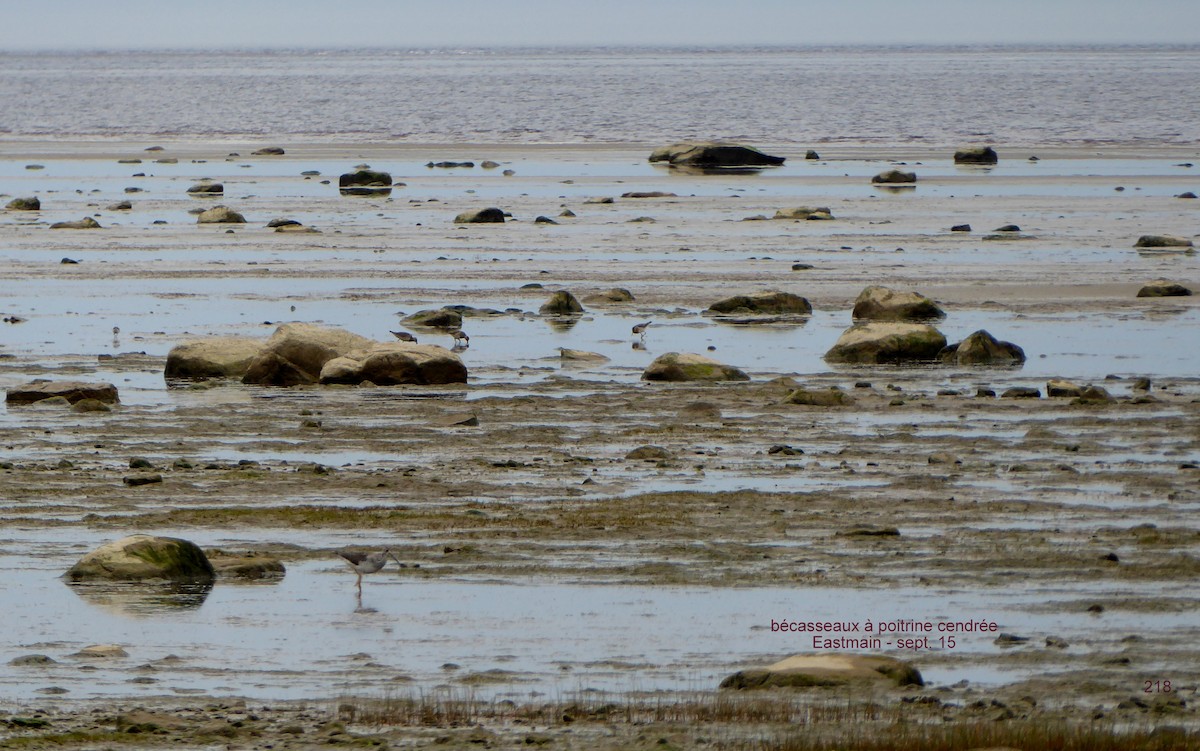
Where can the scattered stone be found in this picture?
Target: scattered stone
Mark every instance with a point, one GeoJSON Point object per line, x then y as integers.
{"type": "Point", "coordinates": [981, 348]}
{"type": "Point", "coordinates": [976, 155]}
{"type": "Point", "coordinates": [895, 177]}
{"type": "Point", "coordinates": [566, 213]}
{"type": "Point", "coordinates": [1007, 228]}
{"type": "Point", "coordinates": [1164, 288]}
{"type": "Point", "coordinates": [85, 223]}
{"type": "Point", "coordinates": [142, 557]}
{"type": "Point", "coordinates": [815, 213]}
{"type": "Point", "coordinates": [675, 366]}
{"type": "Point", "coordinates": [489, 164]}
{"type": "Point", "coordinates": [823, 398]}
{"type": "Point", "coordinates": [220, 215]}
{"type": "Point", "coordinates": [811, 154]}
{"type": "Point", "coordinates": [828, 669]}
{"type": "Point", "coordinates": [879, 303]}
{"type": "Point", "coordinates": [648, 453]}
{"type": "Point", "coordinates": [207, 189]}
{"type": "Point", "coordinates": [138, 462]}
{"type": "Point", "coordinates": [713, 155]}
{"type": "Point", "coordinates": [282, 222]}
{"type": "Point", "coordinates": [870, 532]}
{"type": "Point", "coordinates": [1162, 241]}
{"type": "Point", "coordinates": [761, 304]}
{"type": "Point", "coordinates": [24, 204]}
{"type": "Point", "coordinates": [877, 342]}
{"type": "Point", "coordinates": [365, 182]}
{"type": "Point", "coordinates": [490, 215]}
{"type": "Point", "coordinates": [1141, 384]}
{"type": "Point", "coordinates": [1021, 392]}
{"type": "Point", "coordinates": [32, 661]}
{"type": "Point", "coordinates": [71, 391]}
{"type": "Point", "coordinates": [1009, 640]}
{"type": "Point", "coordinates": [1055, 642]}
{"type": "Point", "coordinates": [1057, 388]}
{"type": "Point", "coordinates": [961, 228]}
{"type": "Point", "coordinates": [943, 458]}
{"type": "Point", "coordinates": [119, 206]}
{"type": "Point", "coordinates": [561, 303]}
{"type": "Point", "coordinates": [544, 220]}
{"type": "Point", "coordinates": [135, 481]}
{"type": "Point", "coordinates": [782, 449]}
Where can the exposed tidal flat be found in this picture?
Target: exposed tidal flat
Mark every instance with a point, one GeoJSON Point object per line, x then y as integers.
{"type": "Point", "coordinates": [549, 574]}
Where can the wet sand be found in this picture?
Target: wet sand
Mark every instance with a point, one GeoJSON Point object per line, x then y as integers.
{"type": "Point", "coordinates": [1010, 509]}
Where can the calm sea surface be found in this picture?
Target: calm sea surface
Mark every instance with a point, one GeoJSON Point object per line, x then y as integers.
{"type": "Point", "coordinates": [882, 95]}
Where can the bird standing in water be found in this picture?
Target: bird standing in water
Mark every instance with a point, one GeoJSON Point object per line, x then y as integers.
{"type": "Point", "coordinates": [366, 563]}
{"type": "Point", "coordinates": [404, 336]}
{"type": "Point", "coordinates": [640, 329]}
{"type": "Point", "coordinates": [460, 336]}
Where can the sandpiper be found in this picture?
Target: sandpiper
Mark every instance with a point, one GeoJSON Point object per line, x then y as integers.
{"type": "Point", "coordinates": [460, 336]}
{"type": "Point", "coordinates": [404, 336]}
{"type": "Point", "coordinates": [366, 563]}
{"type": "Point", "coordinates": [640, 329]}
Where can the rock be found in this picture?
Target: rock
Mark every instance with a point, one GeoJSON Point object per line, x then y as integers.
{"type": "Point", "coordinates": [601, 199]}
{"type": "Point", "coordinates": [711, 154]}
{"type": "Point", "coordinates": [481, 216]}
{"type": "Point", "coordinates": [544, 220]}
{"type": "Point", "coordinates": [811, 154]}
{"type": "Point", "coordinates": [72, 391]}
{"type": "Point", "coordinates": [887, 342]}
{"type": "Point", "coordinates": [85, 223]}
{"type": "Point", "coordinates": [102, 652]}
{"type": "Point", "coordinates": [782, 449]}
{"type": "Point", "coordinates": [700, 411]}
{"type": "Point", "coordinates": [648, 194]}
{"type": "Point", "coordinates": [136, 481]}
{"type": "Point", "coordinates": [394, 363]}
{"type": "Point", "coordinates": [206, 188]}
{"type": "Point", "coordinates": [1162, 241]}
{"type": "Point", "coordinates": [489, 164]}
{"type": "Point", "coordinates": [878, 303]}
{"type": "Point", "coordinates": [1094, 395]}
{"type": "Point", "coordinates": [961, 228]}
{"type": "Point", "coordinates": [826, 669]}
{"type": "Point", "coordinates": [220, 215]}
{"type": "Point", "coordinates": [1057, 388]}
{"type": "Point", "coordinates": [981, 348]}
{"type": "Point", "coordinates": [450, 165]}
{"type": "Point", "coordinates": [442, 318]}
{"type": "Point", "coordinates": [804, 212]}
{"type": "Point", "coordinates": [579, 355]}
{"type": "Point", "coordinates": [561, 303]}
{"type": "Point", "coordinates": [268, 151]}
{"type": "Point", "coordinates": [616, 294]}
{"type": "Point", "coordinates": [250, 566]}
{"type": "Point", "coordinates": [142, 557]}
{"type": "Point", "coordinates": [1164, 288]}
{"type": "Point", "coordinates": [215, 357]}
{"type": "Point", "coordinates": [761, 304]}
{"type": "Point", "coordinates": [24, 204]}
{"type": "Point", "coordinates": [648, 454]}
{"type": "Point", "coordinates": [976, 155]}
{"type": "Point", "coordinates": [32, 660]}
{"type": "Point", "coordinates": [1021, 392]}
{"type": "Point", "coordinates": [675, 366]}
{"type": "Point", "coordinates": [365, 182]}
{"type": "Point", "coordinates": [90, 405]}
{"type": "Point", "coordinates": [296, 353]}
{"type": "Point", "coordinates": [282, 222]}
{"type": "Point", "coordinates": [1186, 194]}
{"type": "Point", "coordinates": [457, 420]}
{"type": "Point", "coordinates": [119, 206]}
{"type": "Point", "coordinates": [1007, 228]}
{"type": "Point", "coordinates": [894, 177]}
{"type": "Point", "coordinates": [823, 398]}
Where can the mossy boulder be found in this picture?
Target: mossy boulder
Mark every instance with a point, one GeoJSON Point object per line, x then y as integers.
{"type": "Point", "coordinates": [877, 342]}
{"type": "Point", "coordinates": [144, 557]}
{"type": "Point", "coordinates": [441, 318]}
{"type": "Point", "coordinates": [365, 182]}
{"type": "Point", "coordinates": [824, 670]}
{"type": "Point", "coordinates": [981, 348]}
{"type": "Point", "coordinates": [24, 204]}
{"type": "Point", "coordinates": [876, 303]}
{"type": "Point", "coordinates": [207, 189]}
{"type": "Point", "coordinates": [1163, 241]}
{"type": "Point", "coordinates": [895, 177]}
{"type": "Point", "coordinates": [976, 155]}
{"type": "Point", "coordinates": [216, 357]}
{"type": "Point", "coordinates": [675, 366]}
{"type": "Point", "coordinates": [763, 304]}
{"type": "Point", "coordinates": [819, 398]}
{"type": "Point", "coordinates": [220, 215]}
{"type": "Point", "coordinates": [561, 303]}
{"type": "Point", "coordinates": [392, 363]}
{"type": "Point", "coordinates": [1164, 288]}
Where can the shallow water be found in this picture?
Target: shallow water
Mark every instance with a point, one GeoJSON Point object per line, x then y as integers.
{"type": "Point", "coordinates": [308, 636]}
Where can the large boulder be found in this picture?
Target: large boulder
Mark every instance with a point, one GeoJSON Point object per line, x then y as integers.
{"type": "Point", "coordinates": [773, 304]}
{"type": "Point", "coordinates": [1164, 288]}
{"type": "Point", "coordinates": [803, 671]}
{"type": "Point", "coordinates": [976, 155]}
{"type": "Point", "coordinates": [1163, 241]}
{"type": "Point", "coordinates": [391, 363]}
{"type": "Point", "coordinates": [981, 348]}
{"type": "Point", "coordinates": [491, 215]}
{"type": "Point", "coordinates": [877, 303]}
{"type": "Point", "coordinates": [72, 391]}
{"type": "Point", "coordinates": [220, 215]}
{"type": "Point", "coordinates": [561, 303]}
{"type": "Point", "coordinates": [144, 557]}
{"type": "Point", "coordinates": [712, 154]}
{"type": "Point", "coordinates": [24, 204]}
{"type": "Point", "coordinates": [218, 357]}
{"type": "Point", "coordinates": [365, 182]}
{"type": "Point", "coordinates": [441, 318]}
{"type": "Point", "coordinates": [887, 342]}
{"type": "Point", "coordinates": [675, 366]}
{"type": "Point", "coordinates": [296, 353]}
{"type": "Point", "coordinates": [895, 177]}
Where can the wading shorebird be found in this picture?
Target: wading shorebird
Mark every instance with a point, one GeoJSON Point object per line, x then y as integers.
{"type": "Point", "coordinates": [640, 329]}
{"type": "Point", "coordinates": [460, 336]}
{"type": "Point", "coordinates": [366, 563]}
{"type": "Point", "coordinates": [404, 336]}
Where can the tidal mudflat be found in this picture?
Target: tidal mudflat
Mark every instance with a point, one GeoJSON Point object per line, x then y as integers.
{"type": "Point", "coordinates": [544, 566]}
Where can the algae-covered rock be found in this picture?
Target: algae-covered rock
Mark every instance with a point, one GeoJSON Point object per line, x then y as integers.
{"type": "Point", "coordinates": [561, 303]}
{"type": "Point", "coordinates": [441, 318]}
{"type": "Point", "coordinates": [895, 177]}
{"type": "Point", "coordinates": [886, 342]}
{"type": "Point", "coordinates": [819, 398]}
{"type": "Point", "coordinates": [675, 366]}
{"type": "Point", "coordinates": [32, 203]}
{"type": "Point", "coordinates": [71, 391]}
{"type": "Point", "coordinates": [393, 363]}
{"type": "Point", "coordinates": [879, 303]}
{"type": "Point", "coordinates": [981, 348]}
{"type": "Point", "coordinates": [762, 304]}
{"type": "Point", "coordinates": [143, 557]}
{"type": "Point", "coordinates": [220, 215]}
{"type": "Point", "coordinates": [976, 155]}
